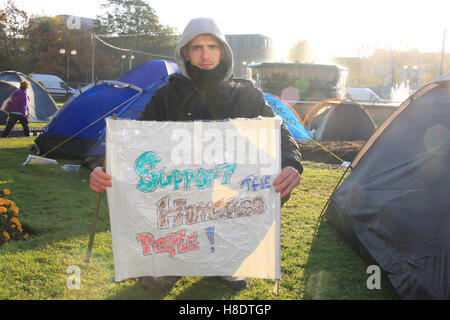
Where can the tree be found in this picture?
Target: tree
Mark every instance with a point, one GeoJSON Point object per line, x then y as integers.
{"type": "Point", "coordinates": [300, 52]}
{"type": "Point", "coordinates": [127, 17]}
{"type": "Point", "coordinates": [386, 69]}
{"type": "Point", "coordinates": [13, 23]}
{"type": "Point", "coordinates": [136, 27]}
{"type": "Point", "coordinates": [47, 35]}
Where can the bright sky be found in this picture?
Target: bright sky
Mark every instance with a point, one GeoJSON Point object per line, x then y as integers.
{"type": "Point", "coordinates": [331, 27]}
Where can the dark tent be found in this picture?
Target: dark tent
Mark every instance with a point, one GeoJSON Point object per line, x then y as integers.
{"type": "Point", "coordinates": [96, 153]}
{"type": "Point", "coordinates": [41, 106]}
{"type": "Point", "coordinates": [394, 205]}
{"type": "Point", "coordinates": [6, 88]}
{"type": "Point", "coordinates": [78, 123]}
{"type": "Point", "coordinates": [315, 115]}
{"type": "Point", "coordinates": [347, 121]}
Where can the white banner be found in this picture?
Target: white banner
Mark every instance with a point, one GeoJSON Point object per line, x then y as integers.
{"type": "Point", "coordinates": [194, 198]}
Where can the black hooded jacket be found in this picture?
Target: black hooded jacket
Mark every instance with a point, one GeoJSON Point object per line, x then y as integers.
{"type": "Point", "coordinates": [195, 94]}
{"type": "Point", "coordinates": [183, 100]}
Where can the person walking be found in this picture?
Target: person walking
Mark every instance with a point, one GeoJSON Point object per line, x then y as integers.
{"type": "Point", "coordinates": [17, 110]}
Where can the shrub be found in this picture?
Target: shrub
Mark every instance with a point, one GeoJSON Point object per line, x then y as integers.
{"type": "Point", "coordinates": [10, 226]}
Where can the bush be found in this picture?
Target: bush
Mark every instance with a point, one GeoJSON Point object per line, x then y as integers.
{"type": "Point", "coordinates": [10, 226]}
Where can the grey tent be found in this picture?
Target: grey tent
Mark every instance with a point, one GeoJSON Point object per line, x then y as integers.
{"type": "Point", "coordinates": [41, 106]}
{"type": "Point", "coordinates": [6, 88]}
{"type": "Point", "coordinates": [394, 207]}
{"type": "Point", "coordinates": [347, 121]}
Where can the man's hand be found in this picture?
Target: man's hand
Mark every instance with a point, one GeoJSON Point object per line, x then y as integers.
{"type": "Point", "coordinates": [99, 180]}
{"type": "Point", "coordinates": [287, 180]}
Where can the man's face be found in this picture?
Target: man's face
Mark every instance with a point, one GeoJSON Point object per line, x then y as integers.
{"type": "Point", "coordinates": [203, 52]}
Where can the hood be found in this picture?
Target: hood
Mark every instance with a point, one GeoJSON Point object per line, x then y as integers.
{"type": "Point", "coordinates": [197, 27]}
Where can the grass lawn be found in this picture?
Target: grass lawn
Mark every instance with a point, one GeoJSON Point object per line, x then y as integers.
{"type": "Point", "coordinates": [56, 208]}
{"type": "Point", "coordinates": [31, 125]}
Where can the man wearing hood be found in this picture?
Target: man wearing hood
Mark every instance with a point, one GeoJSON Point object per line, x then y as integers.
{"type": "Point", "coordinates": [206, 90]}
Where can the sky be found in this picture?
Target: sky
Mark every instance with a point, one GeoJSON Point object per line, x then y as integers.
{"type": "Point", "coordinates": [331, 27]}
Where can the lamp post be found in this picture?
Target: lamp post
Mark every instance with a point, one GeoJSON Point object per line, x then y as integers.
{"type": "Point", "coordinates": [414, 78]}
{"type": "Point", "coordinates": [122, 59]}
{"type": "Point", "coordinates": [73, 53]}
{"type": "Point", "coordinates": [411, 75]}
{"type": "Point", "coordinates": [131, 59]}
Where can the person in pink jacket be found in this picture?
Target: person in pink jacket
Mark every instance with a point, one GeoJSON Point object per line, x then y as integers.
{"type": "Point", "coordinates": [18, 110]}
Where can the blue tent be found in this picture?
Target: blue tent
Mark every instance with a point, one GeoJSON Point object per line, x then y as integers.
{"type": "Point", "coordinates": [96, 153]}
{"type": "Point", "coordinates": [148, 73]}
{"type": "Point", "coordinates": [78, 124]}
{"type": "Point", "coordinates": [289, 116]}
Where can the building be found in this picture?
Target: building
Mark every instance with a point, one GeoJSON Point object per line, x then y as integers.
{"type": "Point", "coordinates": [74, 22]}
{"type": "Point", "coordinates": [314, 82]}
{"type": "Point", "coordinates": [302, 85]}
{"type": "Point", "coordinates": [249, 48]}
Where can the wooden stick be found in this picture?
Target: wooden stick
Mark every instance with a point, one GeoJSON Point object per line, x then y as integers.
{"type": "Point", "coordinates": [276, 288]}
{"type": "Point", "coordinates": [93, 228]}
{"type": "Point", "coordinates": [95, 218]}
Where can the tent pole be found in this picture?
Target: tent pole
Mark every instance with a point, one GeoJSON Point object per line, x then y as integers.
{"type": "Point", "coordinates": [326, 204]}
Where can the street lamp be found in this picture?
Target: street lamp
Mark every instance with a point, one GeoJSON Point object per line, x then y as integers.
{"type": "Point", "coordinates": [131, 61]}
{"type": "Point", "coordinates": [73, 53]}
{"type": "Point", "coordinates": [411, 76]}
{"type": "Point", "coordinates": [122, 59]}
{"type": "Point", "coordinates": [414, 78]}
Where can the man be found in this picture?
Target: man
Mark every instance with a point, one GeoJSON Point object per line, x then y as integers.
{"type": "Point", "coordinates": [205, 90]}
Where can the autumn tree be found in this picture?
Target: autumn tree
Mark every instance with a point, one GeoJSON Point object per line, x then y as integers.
{"type": "Point", "coordinates": [300, 52]}
{"type": "Point", "coordinates": [47, 35]}
{"type": "Point", "coordinates": [129, 17]}
{"type": "Point", "coordinates": [135, 26]}
{"type": "Point", "coordinates": [385, 69]}
{"type": "Point", "coordinates": [32, 45]}
{"type": "Point", "coordinates": [13, 23]}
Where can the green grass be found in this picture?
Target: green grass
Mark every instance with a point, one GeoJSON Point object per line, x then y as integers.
{"type": "Point", "coordinates": [31, 125]}
{"type": "Point", "coordinates": [56, 207]}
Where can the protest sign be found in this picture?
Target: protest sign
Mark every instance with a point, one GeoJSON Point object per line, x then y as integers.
{"type": "Point", "coordinates": [194, 198]}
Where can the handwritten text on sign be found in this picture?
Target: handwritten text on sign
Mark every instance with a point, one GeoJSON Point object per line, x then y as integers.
{"type": "Point", "coordinates": [168, 216]}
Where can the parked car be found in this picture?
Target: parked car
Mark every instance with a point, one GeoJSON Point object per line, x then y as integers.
{"type": "Point", "coordinates": [57, 88]}
{"type": "Point", "coordinates": [361, 94]}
